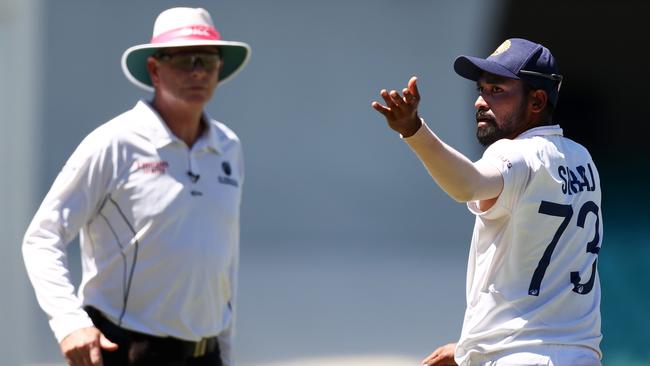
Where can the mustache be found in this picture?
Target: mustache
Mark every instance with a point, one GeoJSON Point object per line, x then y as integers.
{"type": "Point", "coordinates": [482, 115]}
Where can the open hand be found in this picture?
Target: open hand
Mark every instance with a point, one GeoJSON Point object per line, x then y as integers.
{"type": "Point", "coordinates": [401, 112]}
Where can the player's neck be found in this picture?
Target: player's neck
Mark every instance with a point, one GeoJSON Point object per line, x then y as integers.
{"type": "Point", "coordinates": [533, 121]}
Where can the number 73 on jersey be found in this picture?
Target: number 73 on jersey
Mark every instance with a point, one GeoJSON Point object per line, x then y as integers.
{"type": "Point", "coordinates": [566, 212]}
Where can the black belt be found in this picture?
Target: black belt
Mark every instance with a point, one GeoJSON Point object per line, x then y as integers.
{"type": "Point", "coordinates": [168, 345]}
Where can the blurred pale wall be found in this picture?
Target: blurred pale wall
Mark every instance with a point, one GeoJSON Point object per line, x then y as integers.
{"type": "Point", "coordinates": [20, 99]}
{"type": "Point", "coordinates": [347, 246]}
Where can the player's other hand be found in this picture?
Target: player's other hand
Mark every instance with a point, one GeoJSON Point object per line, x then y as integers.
{"type": "Point", "coordinates": [401, 111]}
{"type": "Point", "coordinates": [443, 356]}
{"type": "Point", "coordinates": [83, 347]}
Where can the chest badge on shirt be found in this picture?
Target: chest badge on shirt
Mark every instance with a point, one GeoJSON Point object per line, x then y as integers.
{"type": "Point", "coordinates": [226, 179]}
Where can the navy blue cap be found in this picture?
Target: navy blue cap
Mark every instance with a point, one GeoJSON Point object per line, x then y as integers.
{"type": "Point", "coordinates": [516, 58]}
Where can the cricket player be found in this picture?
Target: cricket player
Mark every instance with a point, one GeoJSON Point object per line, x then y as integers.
{"type": "Point", "coordinates": [533, 293]}
{"type": "Point", "coordinates": [155, 193]}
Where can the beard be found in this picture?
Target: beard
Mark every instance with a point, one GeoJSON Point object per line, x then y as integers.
{"type": "Point", "coordinates": [494, 131]}
{"type": "Point", "coordinates": [490, 134]}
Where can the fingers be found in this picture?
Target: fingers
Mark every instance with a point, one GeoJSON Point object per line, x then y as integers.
{"type": "Point", "coordinates": [390, 100]}
{"type": "Point", "coordinates": [83, 347]}
{"type": "Point", "coordinates": [88, 357]}
{"type": "Point", "coordinates": [95, 355]}
{"type": "Point", "coordinates": [106, 344]}
{"type": "Point", "coordinates": [381, 109]}
{"type": "Point", "coordinates": [387, 99]}
{"type": "Point", "coordinates": [428, 360]}
{"type": "Point", "coordinates": [409, 98]}
{"type": "Point", "coordinates": [442, 356]}
{"type": "Point", "coordinates": [397, 98]}
{"type": "Point", "coordinates": [413, 87]}
{"type": "Point", "coordinates": [431, 359]}
{"type": "Point", "coordinates": [395, 101]}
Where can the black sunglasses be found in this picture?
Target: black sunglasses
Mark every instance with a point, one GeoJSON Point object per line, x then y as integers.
{"type": "Point", "coordinates": [188, 61]}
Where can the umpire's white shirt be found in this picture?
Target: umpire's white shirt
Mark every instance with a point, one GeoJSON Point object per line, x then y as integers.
{"type": "Point", "coordinates": [159, 245]}
{"type": "Point", "coordinates": [531, 274]}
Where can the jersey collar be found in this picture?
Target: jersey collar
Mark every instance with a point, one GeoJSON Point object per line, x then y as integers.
{"type": "Point", "coordinates": [160, 134]}
{"type": "Point", "coordinates": [210, 138]}
{"type": "Point", "coordinates": [541, 131]}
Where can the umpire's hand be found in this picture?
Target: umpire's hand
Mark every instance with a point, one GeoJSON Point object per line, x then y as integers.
{"type": "Point", "coordinates": [401, 112]}
{"type": "Point", "coordinates": [83, 347]}
{"type": "Point", "coordinates": [443, 356]}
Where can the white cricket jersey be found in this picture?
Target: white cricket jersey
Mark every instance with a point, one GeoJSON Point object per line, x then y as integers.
{"type": "Point", "coordinates": [159, 227]}
{"type": "Point", "coordinates": [531, 277]}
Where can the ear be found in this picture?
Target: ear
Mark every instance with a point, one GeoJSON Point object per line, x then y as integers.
{"type": "Point", "coordinates": [152, 67]}
{"type": "Point", "coordinates": [219, 70]}
{"type": "Point", "coordinates": [538, 100]}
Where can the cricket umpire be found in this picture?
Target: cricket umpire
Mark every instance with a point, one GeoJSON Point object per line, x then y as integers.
{"type": "Point", "coordinates": [155, 195]}
{"type": "Point", "coordinates": [533, 293]}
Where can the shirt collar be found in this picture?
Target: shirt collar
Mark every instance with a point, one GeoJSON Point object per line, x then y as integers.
{"type": "Point", "coordinates": [541, 131]}
{"type": "Point", "coordinates": [160, 134]}
{"type": "Point", "coordinates": [209, 140]}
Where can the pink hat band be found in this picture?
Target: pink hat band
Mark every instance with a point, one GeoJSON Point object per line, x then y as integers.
{"type": "Point", "coordinates": [189, 33]}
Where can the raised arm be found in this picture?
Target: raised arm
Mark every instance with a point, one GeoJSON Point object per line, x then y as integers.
{"type": "Point", "coordinates": [459, 177]}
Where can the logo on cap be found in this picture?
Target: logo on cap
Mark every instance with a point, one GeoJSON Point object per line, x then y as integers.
{"type": "Point", "coordinates": [501, 49]}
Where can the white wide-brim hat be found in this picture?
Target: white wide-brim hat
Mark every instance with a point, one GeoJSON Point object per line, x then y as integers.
{"type": "Point", "coordinates": [183, 27]}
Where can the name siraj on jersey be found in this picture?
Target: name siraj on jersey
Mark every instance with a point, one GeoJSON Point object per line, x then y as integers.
{"type": "Point", "coordinates": [576, 180]}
